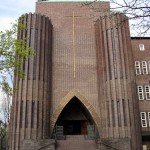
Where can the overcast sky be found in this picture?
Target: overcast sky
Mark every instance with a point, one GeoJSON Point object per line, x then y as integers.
{"type": "Point", "coordinates": [10, 10]}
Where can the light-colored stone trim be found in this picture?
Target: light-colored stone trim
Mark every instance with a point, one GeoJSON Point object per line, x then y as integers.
{"type": "Point", "coordinates": [66, 100]}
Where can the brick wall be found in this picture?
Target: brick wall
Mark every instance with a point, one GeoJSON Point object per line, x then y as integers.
{"type": "Point", "coordinates": [68, 58]}
{"type": "Point", "coordinates": [142, 80]}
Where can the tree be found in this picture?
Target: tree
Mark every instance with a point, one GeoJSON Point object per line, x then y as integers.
{"type": "Point", "coordinates": [7, 92]}
{"type": "Point", "coordinates": [13, 52]}
{"type": "Point", "coordinates": [3, 138]}
{"type": "Point", "coordinates": [5, 113]}
{"type": "Point", "coordinates": [138, 12]}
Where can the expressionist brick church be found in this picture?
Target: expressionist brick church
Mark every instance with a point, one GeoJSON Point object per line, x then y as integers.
{"type": "Point", "coordinates": [88, 85]}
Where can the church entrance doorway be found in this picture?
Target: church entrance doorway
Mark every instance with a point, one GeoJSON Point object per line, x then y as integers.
{"type": "Point", "coordinates": [75, 118]}
{"type": "Point", "coordinates": [74, 127]}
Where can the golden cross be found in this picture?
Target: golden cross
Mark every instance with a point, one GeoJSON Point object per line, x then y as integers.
{"type": "Point", "coordinates": [73, 42]}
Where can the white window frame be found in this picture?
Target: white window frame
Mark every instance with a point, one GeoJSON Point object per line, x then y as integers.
{"type": "Point", "coordinates": [149, 118]}
{"type": "Point", "coordinates": [141, 47]}
{"type": "Point", "coordinates": [148, 66]}
{"type": "Point", "coordinates": [137, 67]}
{"type": "Point", "coordinates": [144, 67]}
{"type": "Point", "coordinates": [147, 92]}
{"type": "Point", "coordinates": [143, 119]}
{"type": "Point", "coordinates": [140, 92]}
{"type": "Point", "coordinates": [144, 147]}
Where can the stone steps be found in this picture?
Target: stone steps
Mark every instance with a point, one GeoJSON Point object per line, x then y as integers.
{"type": "Point", "coordinates": [75, 137]}
{"type": "Point", "coordinates": [77, 142]}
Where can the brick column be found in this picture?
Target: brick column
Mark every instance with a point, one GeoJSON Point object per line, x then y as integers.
{"type": "Point", "coordinates": [31, 102]}
{"type": "Point", "coordinates": [117, 96]}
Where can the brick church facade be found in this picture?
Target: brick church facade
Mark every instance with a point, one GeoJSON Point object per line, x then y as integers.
{"type": "Point", "coordinates": [88, 85]}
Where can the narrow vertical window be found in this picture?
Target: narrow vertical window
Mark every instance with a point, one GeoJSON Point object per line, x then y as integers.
{"type": "Point", "coordinates": [42, 114]}
{"type": "Point", "coordinates": [119, 53]}
{"type": "Point", "coordinates": [34, 68]}
{"type": "Point", "coordinates": [137, 67]}
{"type": "Point", "coordinates": [24, 65]}
{"type": "Point", "coordinates": [35, 57]}
{"type": "Point", "coordinates": [129, 113]}
{"type": "Point", "coordinates": [16, 119]}
{"type": "Point", "coordinates": [28, 75]}
{"type": "Point", "coordinates": [32, 115]}
{"type": "Point", "coordinates": [118, 113]}
{"type": "Point", "coordinates": [30, 59]}
{"type": "Point", "coordinates": [143, 119]}
{"type": "Point", "coordinates": [40, 54]}
{"type": "Point", "coordinates": [147, 92]}
{"type": "Point", "coordinates": [37, 114]}
{"type": "Point", "coordinates": [108, 114]}
{"type": "Point", "coordinates": [124, 112]}
{"type": "Point", "coordinates": [149, 118]}
{"type": "Point", "coordinates": [140, 93]}
{"type": "Point", "coordinates": [114, 53]}
{"type": "Point", "coordinates": [148, 67]}
{"type": "Point", "coordinates": [113, 113]}
{"type": "Point", "coordinates": [109, 64]}
{"type": "Point", "coordinates": [26, 114]}
{"type": "Point", "coordinates": [144, 67]}
{"type": "Point", "coordinates": [21, 113]}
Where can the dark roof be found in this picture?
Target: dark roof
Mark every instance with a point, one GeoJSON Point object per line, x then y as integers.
{"type": "Point", "coordinates": [140, 38]}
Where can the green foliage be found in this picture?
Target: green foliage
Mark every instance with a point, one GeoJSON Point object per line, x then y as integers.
{"type": "Point", "coordinates": [6, 88]}
{"type": "Point", "coordinates": [3, 136]}
{"type": "Point", "coordinates": [13, 51]}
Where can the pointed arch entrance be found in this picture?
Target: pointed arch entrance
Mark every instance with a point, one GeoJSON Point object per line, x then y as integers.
{"type": "Point", "coordinates": [74, 113]}
{"type": "Point", "coordinates": [74, 118]}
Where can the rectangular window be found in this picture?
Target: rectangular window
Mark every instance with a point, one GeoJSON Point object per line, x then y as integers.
{"type": "Point", "coordinates": [143, 119]}
{"type": "Point", "coordinates": [149, 118]}
{"type": "Point", "coordinates": [113, 113]}
{"type": "Point", "coordinates": [141, 47]}
{"type": "Point", "coordinates": [42, 114]}
{"type": "Point", "coordinates": [108, 114]}
{"type": "Point", "coordinates": [124, 112]}
{"type": "Point", "coordinates": [40, 54]}
{"type": "Point", "coordinates": [32, 115]}
{"type": "Point", "coordinates": [137, 67]}
{"type": "Point", "coordinates": [21, 113]}
{"type": "Point", "coordinates": [37, 114]}
{"type": "Point", "coordinates": [144, 67]}
{"type": "Point", "coordinates": [148, 66]}
{"type": "Point", "coordinates": [119, 53]}
{"type": "Point", "coordinates": [140, 93]}
{"type": "Point", "coordinates": [114, 53]}
{"type": "Point", "coordinates": [128, 108]}
{"type": "Point", "coordinates": [108, 53]}
{"type": "Point", "coordinates": [35, 57]}
{"type": "Point", "coordinates": [30, 59]}
{"type": "Point", "coordinates": [118, 113]}
{"type": "Point", "coordinates": [26, 114]}
{"type": "Point", "coordinates": [16, 119]}
{"type": "Point", "coordinates": [147, 92]}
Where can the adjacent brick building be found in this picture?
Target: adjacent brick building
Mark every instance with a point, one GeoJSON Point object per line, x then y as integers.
{"type": "Point", "coordinates": [87, 85]}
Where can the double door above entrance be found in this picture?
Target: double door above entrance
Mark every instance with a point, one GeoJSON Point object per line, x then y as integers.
{"type": "Point", "coordinates": [75, 127]}
{"type": "Point", "coordinates": [75, 119]}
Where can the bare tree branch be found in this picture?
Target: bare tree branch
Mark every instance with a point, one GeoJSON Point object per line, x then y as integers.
{"type": "Point", "coordinates": [138, 12]}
